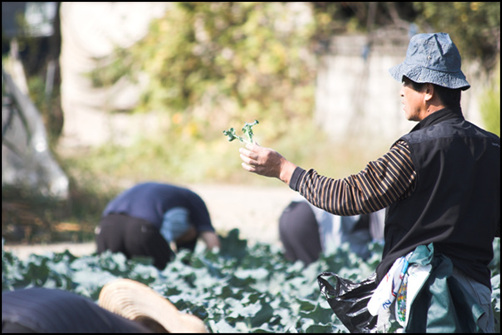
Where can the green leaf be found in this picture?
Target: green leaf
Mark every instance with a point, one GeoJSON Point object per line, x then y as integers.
{"type": "Point", "coordinates": [263, 315]}
{"type": "Point", "coordinates": [232, 135]}
{"type": "Point", "coordinates": [232, 246]}
{"type": "Point", "coordinates": [247, 130]}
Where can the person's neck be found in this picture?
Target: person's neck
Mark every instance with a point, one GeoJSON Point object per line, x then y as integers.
{"type": "Point", "coordinates": [431, 108]}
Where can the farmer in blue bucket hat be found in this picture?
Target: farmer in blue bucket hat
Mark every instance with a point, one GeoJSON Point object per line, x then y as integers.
{"type": "Point", "coordinates": [441, 186]}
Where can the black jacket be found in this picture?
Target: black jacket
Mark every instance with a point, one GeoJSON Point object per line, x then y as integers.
{"type": "Point", "coordinates": [456, 199]}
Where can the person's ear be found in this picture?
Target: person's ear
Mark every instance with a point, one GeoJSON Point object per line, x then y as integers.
{"type": "Point", "coordinates": [429, 92]}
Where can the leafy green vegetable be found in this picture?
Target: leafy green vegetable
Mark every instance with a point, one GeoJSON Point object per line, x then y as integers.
{"type": "Point", "coordinates": [241, 289]}
{"type": "Point", "coordinates": [247, 130]}
{"type": "Point", "coordinates": [232, 135]}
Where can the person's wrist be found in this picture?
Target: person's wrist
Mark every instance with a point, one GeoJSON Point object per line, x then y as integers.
{"type": "Point", "coordinates": [286, 171]}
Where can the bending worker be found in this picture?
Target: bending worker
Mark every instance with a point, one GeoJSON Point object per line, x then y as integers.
{"type": "Point", "coordinates": [155, 220]}
{"type": "Point", "coordinates": [307, 231]}
{"type": "Point", "coordinates": [124, 306]}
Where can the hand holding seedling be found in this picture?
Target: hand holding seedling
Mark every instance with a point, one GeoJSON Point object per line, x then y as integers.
{"type": "Point", "coordinates": [263, 161]}
{"type": "Point", "coordinates": [257, 159]}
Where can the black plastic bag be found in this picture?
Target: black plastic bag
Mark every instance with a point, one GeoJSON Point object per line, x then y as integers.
{"type": "Point", "coordinates": [349, 301]}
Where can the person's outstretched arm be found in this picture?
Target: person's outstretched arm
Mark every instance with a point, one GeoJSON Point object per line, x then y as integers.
{"type": "Point", "coordinates": [381, 183]}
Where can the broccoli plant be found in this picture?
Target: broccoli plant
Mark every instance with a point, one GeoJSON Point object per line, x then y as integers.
{"type": "Point", "coordinates": [247, 130]}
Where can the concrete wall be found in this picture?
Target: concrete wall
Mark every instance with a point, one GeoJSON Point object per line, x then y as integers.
{"type": "Point", "coordinates": [358, 100]}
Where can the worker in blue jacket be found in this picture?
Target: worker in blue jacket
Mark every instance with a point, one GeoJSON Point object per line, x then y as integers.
{"type": "Point", "coordinates": [154, 220]}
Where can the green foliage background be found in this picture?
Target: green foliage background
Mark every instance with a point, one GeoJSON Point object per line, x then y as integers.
{"type": "Point", "coordinates": [490, 103]}
{"type": "Point", "coordinates": [473, 26]}
{"type": "Point", "coordinates": [215, 65]}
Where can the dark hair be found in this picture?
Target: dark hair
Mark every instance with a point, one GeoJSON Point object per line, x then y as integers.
{"type": "Point", "coordinates": [449, 97]}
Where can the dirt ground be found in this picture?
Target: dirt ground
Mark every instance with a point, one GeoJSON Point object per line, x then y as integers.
{"type": "Point", "coordinates": [254, 210]}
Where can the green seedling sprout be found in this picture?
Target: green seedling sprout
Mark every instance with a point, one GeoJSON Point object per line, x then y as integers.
{"type": "Point", "coordinates": [247, 130]}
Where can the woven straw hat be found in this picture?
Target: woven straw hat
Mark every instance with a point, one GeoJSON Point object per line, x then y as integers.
{"type": "Point", "coordinates": [138, 302]}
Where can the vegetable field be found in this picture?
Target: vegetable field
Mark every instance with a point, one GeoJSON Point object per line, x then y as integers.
{"type": "Point", "coordinates": [242, 288]}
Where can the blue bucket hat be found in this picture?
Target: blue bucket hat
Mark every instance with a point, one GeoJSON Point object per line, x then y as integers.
{"type": "Point", "coordinates": [175, 223]}
{"type": "Point", "coordinates": [432, 58]}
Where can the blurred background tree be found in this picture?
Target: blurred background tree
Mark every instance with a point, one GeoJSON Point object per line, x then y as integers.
{"type": "Point", "coordinates": [212, 65]}
{"type": "Point", "coordinates": [490, 103]}
{"type": "Point", "coordinates": [473, 26]}
{"type": "Point", "coordinates": [237, 60]}
{"type": "Point", "coordinates": [244, 60]}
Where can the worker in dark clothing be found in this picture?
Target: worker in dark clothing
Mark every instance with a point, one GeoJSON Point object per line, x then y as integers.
{"type": "Point", "coordinates": [441, 184]}
{"type": "Point", "coordinates": [44, 310]}
{"type": "Point", "coordinates": [151, 219]}
{"type": "Point", "coordinates": [124, 306]}
{"type": "Point", "coordinates": [306, 231]}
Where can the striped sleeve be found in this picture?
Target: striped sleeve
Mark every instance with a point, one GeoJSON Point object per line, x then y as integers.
{"type": "Point", "coordinates": [382, 182]}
